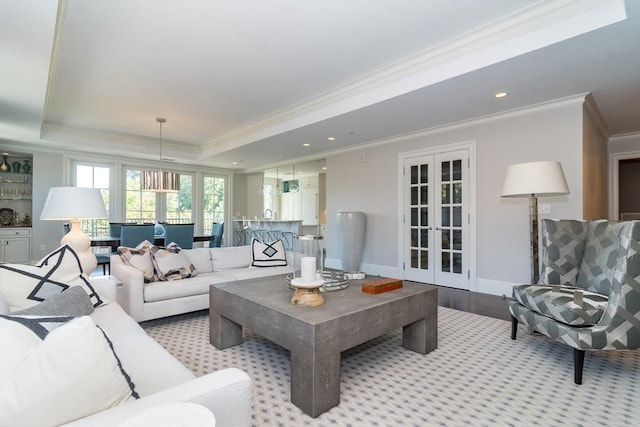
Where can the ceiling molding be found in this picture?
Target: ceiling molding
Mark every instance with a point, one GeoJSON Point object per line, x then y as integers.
{"type": "Point", "coordinates": [570, 101]}
{"type": "Point", "coordinates": [535, 27]}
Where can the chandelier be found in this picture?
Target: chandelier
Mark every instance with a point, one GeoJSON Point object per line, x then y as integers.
{"type": "Point", "coordinates": [159, 180]}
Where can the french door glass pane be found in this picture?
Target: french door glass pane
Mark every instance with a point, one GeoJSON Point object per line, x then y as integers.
{"type": "Point", "coordinates": [214, 202]}
{"type": "Point", "coordinates": [419, 215]}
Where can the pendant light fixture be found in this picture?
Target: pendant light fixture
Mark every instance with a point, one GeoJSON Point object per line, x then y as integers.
{"type": "Point", "coordinates": [159, 180]}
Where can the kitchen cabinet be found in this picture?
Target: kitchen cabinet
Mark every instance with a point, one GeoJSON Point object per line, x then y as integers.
{"type": "Point", "coordinates": [15, 245]}
{"type": "Point", "coordinates": [309, 206]}
{"type": "Point", "coordinates": [290, 206]}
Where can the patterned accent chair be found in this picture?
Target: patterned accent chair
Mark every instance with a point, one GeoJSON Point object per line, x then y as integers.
{"type": "Point", "coordinates": [588, 295]}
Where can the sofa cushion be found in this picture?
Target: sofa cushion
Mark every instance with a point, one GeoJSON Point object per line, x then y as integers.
{"type": "Point", "coordinates": [252, 273]}
{"type": "Point", "coordinates": [140, 258]}
{"type": "Point", "coordinates": [71, 373]}
{"type": "Point", "coordinates": [231, 257]}
{"type": "Point", "coordinates": [171, 263]}
{"type": "Point", "coordinates": [563, 244]}
{"type": "Point", "coordinates": [600, 253]}
{"type": "Point", "coordinates": [558, 303]}
{"type": "Point", "coordinates": [161, 291]}
{"type": "Point", "coordinates": [24, 286]}
{"type": "Point", "coordinates": [200, 258]}
{"type": "Point", "coordinates": [268, 254]}
{"type": "Point", "coordinates": [73, 302]}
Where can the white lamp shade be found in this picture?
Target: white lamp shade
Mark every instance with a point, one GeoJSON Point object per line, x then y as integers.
{"type": "Point", "coordinates": [535, 178]}
{"type": "Point", "coordinates": [65, 203]}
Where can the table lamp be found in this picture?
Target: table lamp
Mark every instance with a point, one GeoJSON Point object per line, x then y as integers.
{"type": "Point", "coordinates": [532, 180]}
{"type": "Point", "coordinates": [74, 204]}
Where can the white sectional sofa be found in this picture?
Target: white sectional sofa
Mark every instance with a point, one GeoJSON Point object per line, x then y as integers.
{"type": "Point", "coordinates": [146, 301]}
{"type": "Point", "coordinates": [159, 378]}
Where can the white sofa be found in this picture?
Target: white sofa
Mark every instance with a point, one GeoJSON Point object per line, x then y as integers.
{"type": "Point", "coordinates": [160, 378]}
{"type": "Point", "coordinates": [146, 301]}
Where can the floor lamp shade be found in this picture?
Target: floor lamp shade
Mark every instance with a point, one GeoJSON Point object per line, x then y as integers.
{"type": "Point", "coordinates": [74, 204]}
{"type": "Point", "coordinates": [533, 180]}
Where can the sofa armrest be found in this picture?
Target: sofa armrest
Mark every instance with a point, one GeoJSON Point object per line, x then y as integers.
{"type": "Point", "coordinates": [226, 393]}
{"type": "Point", "coordinates": [131, 294]}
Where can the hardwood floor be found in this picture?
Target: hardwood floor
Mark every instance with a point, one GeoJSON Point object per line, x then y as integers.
{"type": "Point", "coordinates": [473, 302]}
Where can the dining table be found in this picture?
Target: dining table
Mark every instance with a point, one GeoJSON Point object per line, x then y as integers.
{"type": "Point", "coordinates": [158, 240]}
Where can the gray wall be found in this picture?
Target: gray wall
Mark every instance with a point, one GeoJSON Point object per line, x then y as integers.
{"type": "Point", "coordinates": [367, 180]}
{"type": "Point", "coordinates": [47, 172]}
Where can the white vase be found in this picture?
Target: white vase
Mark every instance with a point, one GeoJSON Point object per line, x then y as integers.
{"type": "Point", "coordinates": [351, 228]}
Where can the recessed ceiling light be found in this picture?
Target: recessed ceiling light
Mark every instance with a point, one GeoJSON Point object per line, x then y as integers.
{"type": "Point", "coordinates": [331, 138]}
{"type": "Point", "coordinates": [500, 94]}
{"type": "Point", "coordinates": [306, 144]}
{"type": "Point", "coordinates": [324, 168]}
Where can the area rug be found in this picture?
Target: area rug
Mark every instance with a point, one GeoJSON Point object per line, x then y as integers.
{"type": "Point", "coordinates": [477, 376]}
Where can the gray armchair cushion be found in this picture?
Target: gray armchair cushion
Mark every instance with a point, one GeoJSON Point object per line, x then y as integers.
{"type": "Point", "coordinates": [559, 304]}
{"type": "Point", "coordinates": [563, 243]}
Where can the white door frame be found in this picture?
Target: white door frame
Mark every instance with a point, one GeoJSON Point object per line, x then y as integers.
{"type": "Point", "coordinates": [614, 181]}
{"type": "Point", "coordinates": [402, 157]}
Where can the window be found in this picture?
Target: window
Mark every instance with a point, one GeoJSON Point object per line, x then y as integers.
{"type": "Point", "coordinates": [213, 201]}
{"type": "Point", "coordinates": [150, 206]}
{"type": "Point", "coordinates": [93, 176]}
{"type": "Point", "coordinates": [178, 205]}
{"type": "Point", "coordinates": [140, 206]}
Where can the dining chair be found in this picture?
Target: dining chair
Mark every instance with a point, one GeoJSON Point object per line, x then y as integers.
{"type": "Point", "coordinates": [216, 232]}
{"type": "Point", "coordinates": [132, 234]}
{"type": "Point", "coordinates": [180, 234]}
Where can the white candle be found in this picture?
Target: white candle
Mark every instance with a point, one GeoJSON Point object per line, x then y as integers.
{"type": "Point", "coordinates": [308, 270]}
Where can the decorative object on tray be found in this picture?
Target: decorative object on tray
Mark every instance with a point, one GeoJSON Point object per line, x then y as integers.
{"type": "Point", "coordinates": [381, 285]}
{"type": "Point", "coordinates": [351, 232]}
{"type": "Point", "coordinates": [4, 166]}
{"type": "Point", "coordinates": [307, 271]}
{"type": "Point", "coordinates": [26, 167]}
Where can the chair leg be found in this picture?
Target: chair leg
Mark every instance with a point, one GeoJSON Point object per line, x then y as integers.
{"type": "Point", "coordinates": [514, 327]}
{"type": "Point", "coordinates": [578, 361]}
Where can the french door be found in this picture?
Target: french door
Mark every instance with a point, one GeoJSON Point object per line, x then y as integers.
{"type": "Point", "coordinates": [436, 219]}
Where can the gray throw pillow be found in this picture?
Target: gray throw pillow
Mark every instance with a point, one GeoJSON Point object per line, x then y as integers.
{"type": "Point", "coordinates": [72, 302]}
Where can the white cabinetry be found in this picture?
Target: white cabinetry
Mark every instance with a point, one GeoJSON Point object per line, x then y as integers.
{"type": "Point", "coordinates": [290, 206]}
{"type": "Point", "coordinates": [309, 206]}
{"type": "Point", "coordinates": [15, 245]}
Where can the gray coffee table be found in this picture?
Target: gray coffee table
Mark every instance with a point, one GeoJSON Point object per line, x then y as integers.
{"type": "Point", "coordinates": [315, 336]}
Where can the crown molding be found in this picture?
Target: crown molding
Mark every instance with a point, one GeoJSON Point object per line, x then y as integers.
{"type": "Point", "coordinates": [118, 142]}
{"type": "Point", "coordinates": [539, 25]}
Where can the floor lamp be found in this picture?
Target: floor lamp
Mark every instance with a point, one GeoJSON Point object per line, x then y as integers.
{"type": "Point", "coordinates": [533, 180]}
{"type": "Point", "coordinates": [74, 204]}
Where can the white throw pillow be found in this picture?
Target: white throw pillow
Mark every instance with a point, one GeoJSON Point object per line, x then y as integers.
{"type": "Point", "coordinates": [23, 286]}
{"type": "Point", "coordinates": [171, 263]}
{"type": "Point", "coordinates": [139, 258]}
{"type": "Point", "coordinates": [71, 374]}
{"type": "Point", "coordinates": [268, 254]}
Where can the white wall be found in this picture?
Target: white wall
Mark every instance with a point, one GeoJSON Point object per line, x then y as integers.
{"type": "Point", "coordinates": [367, 180]}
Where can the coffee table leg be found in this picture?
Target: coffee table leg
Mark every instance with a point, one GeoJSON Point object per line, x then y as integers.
{"type": "Point", "coordinates": [315, 382]}
{"type": "Point", "coordinates": [224, 333]}
{"type": "Point", "coordinates": [421, 336]}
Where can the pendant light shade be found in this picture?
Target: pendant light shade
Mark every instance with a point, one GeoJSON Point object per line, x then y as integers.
{"type": "Point", "coordinates": [159, 180]}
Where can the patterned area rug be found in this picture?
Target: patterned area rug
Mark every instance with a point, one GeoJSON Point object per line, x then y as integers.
{"type": "Point", "coordinates": [478, 376]}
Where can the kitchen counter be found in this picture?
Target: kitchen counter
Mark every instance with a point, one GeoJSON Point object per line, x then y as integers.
{"type": "Point", "coordinates": [265, 230]}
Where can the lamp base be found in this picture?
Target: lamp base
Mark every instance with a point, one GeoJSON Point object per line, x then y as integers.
{"type": "Point", "coordinates": [80, 243]}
